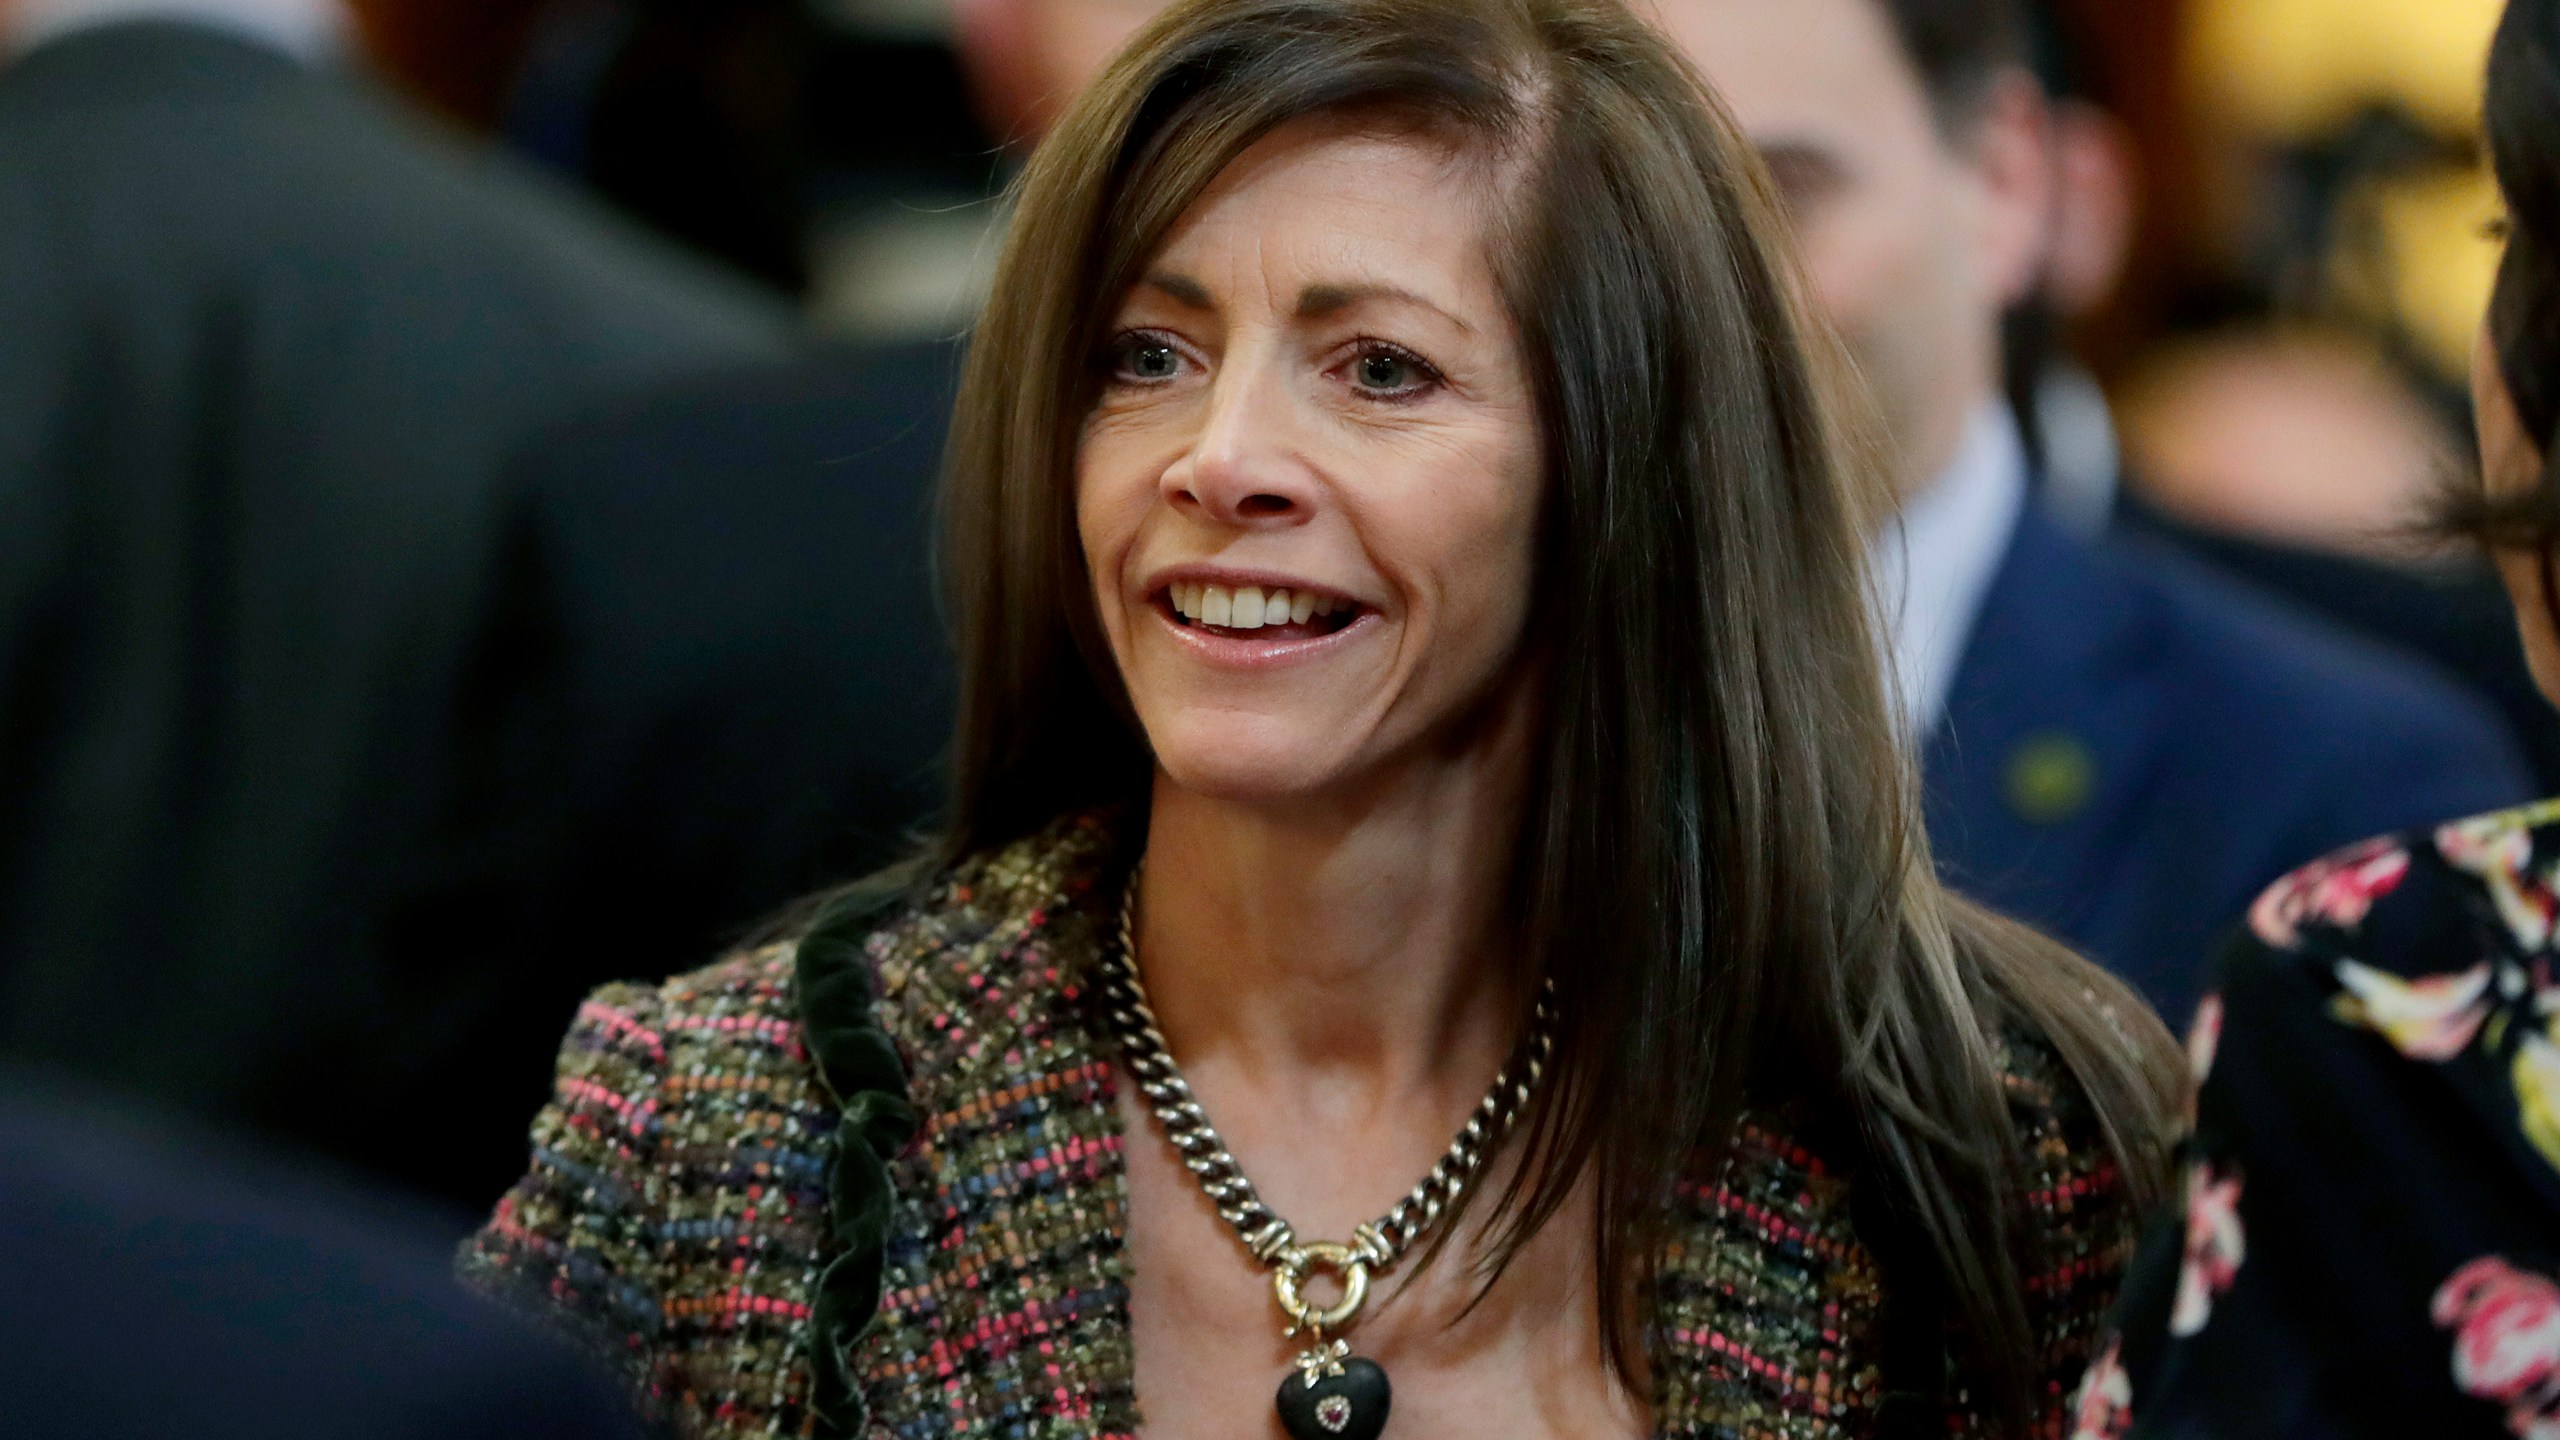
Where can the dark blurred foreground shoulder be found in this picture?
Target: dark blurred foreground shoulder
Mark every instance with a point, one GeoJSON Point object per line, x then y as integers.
{"type": "Point", "coordinates": [160, 1283]}
{"type": "Point", "coordinates": [675, 1105]}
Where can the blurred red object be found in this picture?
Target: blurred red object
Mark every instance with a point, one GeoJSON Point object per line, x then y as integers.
{"type": "Point", "coordinates": [458, 57]}
{"type": "Point", "coordinates": [2130, 56]}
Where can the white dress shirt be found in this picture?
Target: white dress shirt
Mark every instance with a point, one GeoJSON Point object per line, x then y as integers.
{"type": "Point", "coordinates": [2083, 463]}
{"type": "Point", "coordinates": [314, 31]}
{"type": "Point", "coordinates": [1934, 564]}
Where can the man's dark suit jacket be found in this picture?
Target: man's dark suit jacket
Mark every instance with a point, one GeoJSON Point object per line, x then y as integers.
{"type": "Point", "coordinates": [159, 1284]}
{"type": "Point", "coordinates": [2134, 746]}
{"type": "Point", "coordinates": [713, 681]}
{"type": "Point", "coordinates": [264, 345]}
{"type": "Point", "coordinates": [2457, 618]}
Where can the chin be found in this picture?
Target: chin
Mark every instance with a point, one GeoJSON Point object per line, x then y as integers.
{"type": "Point", "coordinates": [1223, 756]}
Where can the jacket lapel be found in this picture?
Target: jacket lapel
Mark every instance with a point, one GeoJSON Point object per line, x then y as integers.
{"type": "Point", "coordinates": [1004, 1295]}
{"type": "Point", "coordinates": [2035, 774]}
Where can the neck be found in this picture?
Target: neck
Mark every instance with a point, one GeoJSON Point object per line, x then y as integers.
{"type": "Point", "coordinates": [1938, 436]}
{"type": "Point", "coordinates": [1357, 936]}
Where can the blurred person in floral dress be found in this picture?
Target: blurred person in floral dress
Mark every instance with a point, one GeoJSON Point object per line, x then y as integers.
{"type": "Point", "coordinates": [2370, 1238]}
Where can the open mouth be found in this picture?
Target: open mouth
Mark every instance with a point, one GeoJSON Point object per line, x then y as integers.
{"type": "Point", "coordinates": [1252, 612]}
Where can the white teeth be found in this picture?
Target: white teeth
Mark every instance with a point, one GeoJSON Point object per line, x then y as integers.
{"type": "Point", "coordinates": [1246, 607]}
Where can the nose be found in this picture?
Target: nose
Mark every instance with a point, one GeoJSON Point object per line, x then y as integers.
{"type": "Point", "coordinates": [1245, 467]}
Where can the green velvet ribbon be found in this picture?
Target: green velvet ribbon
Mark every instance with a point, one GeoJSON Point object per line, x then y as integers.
{"type": "Point", "coordinates": [861, 1068]}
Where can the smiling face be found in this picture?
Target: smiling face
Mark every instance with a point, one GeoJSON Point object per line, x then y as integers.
{"type": "Point", "coordinates": [1315, 392]}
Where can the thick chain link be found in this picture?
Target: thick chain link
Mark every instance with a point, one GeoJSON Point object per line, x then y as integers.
{"type": "Point", "coordinates": [1266, 1236]}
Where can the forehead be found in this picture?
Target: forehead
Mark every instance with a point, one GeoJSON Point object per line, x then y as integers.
{"type": "Point", "coordinates": [1326, 198]}
{"type": "Point", "coordinates": [1800, 70]}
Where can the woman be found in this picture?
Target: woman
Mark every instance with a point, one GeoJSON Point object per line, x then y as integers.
{"type": "Point", "coordinates": [2370, 1243]}
{"type": "Point", "coordinates": [1417, 680]}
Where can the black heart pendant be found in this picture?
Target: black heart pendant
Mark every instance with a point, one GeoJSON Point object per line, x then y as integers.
{"type": "Point", "coordinates": [1347, 1401]}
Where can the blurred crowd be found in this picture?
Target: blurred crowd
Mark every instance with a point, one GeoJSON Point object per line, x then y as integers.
{"type": "Point", "coordinates": [466, 476]}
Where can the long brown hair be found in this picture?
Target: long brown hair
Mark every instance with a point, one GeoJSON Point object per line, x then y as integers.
{"type": "Point", "coordinates": [1721, 871]}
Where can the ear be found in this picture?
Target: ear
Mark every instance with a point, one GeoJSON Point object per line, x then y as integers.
{"type": "Point", "coordinates": [996, 48]}
{"type": "Point", "coordinates": [2010, 148]}
{"type": "Point", "coordinates": [2094, 206]}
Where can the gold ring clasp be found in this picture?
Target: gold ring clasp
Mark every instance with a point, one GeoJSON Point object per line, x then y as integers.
{"type": "Point", "coordinates": [1340, 1261]}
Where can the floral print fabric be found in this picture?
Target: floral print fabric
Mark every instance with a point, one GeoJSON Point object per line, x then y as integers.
{"type": "Point", "coordinates": [2506, 1325]}
{"type": "Point", "coordinates": [2370, 1231]}
{"type": "Point", "coordinates": [2215, 1246]}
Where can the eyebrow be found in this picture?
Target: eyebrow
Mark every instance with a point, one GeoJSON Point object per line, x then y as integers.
{"type": "Point", "coordinates": [1804, 162]}
{"type": "Point", "coordinates": [1181, 288]}
{"type": "Point", "coordinates": [1317, 301]}
{"type": "Point", "coordinates": [1314, 303]}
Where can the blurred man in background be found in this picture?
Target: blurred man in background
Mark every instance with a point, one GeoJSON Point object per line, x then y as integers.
{"type": "Point", "coordinates": [714, 677]}
{"type": "Point", "coordinates": [2117, 745]}
{"type": "Point", "coordinates": [267, 342]}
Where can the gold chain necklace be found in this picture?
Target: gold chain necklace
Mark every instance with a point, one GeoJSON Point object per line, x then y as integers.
{"type": "Point", "coordinates": [1329, 1393]}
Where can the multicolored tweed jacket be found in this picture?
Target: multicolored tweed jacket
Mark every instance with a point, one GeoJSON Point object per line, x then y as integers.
{"type": "Point", "coordinates": [871, 1184]}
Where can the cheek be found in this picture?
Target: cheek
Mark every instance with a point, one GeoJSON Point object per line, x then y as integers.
{"type": "Point", "coordinates": [1882, 264]}
{"type": "Point", "coordinates": [2522, 572]}
{"type": "Point", "coordinates": [1479, 528]}
{"type": "Point", "coordinates": [1112, 491]}
{"type": "Point", "coordinates": [1095, 31]}
{"type": "Point", "coordinates": [2508, 462]}
{"type": "Point", "coordinates": [1072, 43]}
{"type": "Point", "coordinates": [1864, 269]}
{"type": "Point", "coordinates": [1840, 261]}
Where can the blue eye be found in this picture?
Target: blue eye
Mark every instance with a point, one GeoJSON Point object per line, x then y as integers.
{"type": "Point", "coordinates": [1387, 372]}
{"type": "Point", "coordinates": [1145, 358]}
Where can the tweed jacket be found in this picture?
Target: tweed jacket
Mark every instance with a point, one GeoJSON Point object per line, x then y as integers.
{"type": "Point", "coordinates": [871, 1184]}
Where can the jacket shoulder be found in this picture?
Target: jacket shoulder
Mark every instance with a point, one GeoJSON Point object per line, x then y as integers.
{"type": "Point", "coordinates": [749, 995]}
{"type": "Point", "coordinates": [2222, 637]}
{"type": "Point", "coordinates": [1773, 1272]}
{"type": "Point", "coordinates": [2413, 903]}
{"type": "Point", "coordinates": [248, 170]}
{"type": "Point", "coordinates": [674, 1211]}
{"type": "Point", "coordinates": [2076, 1196]}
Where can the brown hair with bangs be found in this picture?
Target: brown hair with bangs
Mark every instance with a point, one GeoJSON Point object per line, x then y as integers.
{"type": "Point", "coordinates": [1721, 871]}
